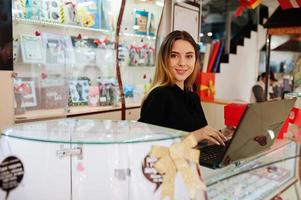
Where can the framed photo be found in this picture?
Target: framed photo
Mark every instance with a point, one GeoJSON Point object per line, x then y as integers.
{"type": "Point", "coordinates": [79, 92]}
{"type": "Point", "coordinates": [31, 49]}
{"type": "Point", "coordinates": [26, 91]}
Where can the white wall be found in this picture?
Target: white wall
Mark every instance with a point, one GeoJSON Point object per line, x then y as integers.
{"type": "Point", "coordinates": [236, 78]}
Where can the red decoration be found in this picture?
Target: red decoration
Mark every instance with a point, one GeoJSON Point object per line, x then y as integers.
{"type": "Point", "coordinates": [233, 113]}
{"type": "Point", "coordinates": [79, 36]}
{"type": "Point", "coordinates": [37, 33]}
{"type": "Point", "coordinates": [97, 42]}
{"type": "Point", "coordinates": [288, 4]}
{"type": "Point", "coordinates": [246, 4]}
{"type": "Point", "coordinates": [44, 76]}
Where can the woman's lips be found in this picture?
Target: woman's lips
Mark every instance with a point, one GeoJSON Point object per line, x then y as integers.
{"type": "Point", "coordinates": [180, 71]}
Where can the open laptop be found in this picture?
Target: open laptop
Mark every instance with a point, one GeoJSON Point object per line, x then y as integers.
{"type": "Point", "coordinates": [256, 132]}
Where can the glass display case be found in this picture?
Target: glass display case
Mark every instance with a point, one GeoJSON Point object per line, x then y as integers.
{"type": "Point", "coordinates": [91, 159]}
{"type": "Point", "coordinates": [64, 57]}
{"type": "Point", "coordinates": [137, 47]}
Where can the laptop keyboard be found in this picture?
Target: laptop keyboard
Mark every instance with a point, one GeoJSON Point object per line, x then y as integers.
{"type": "Point", "coordinates": [212, 152]}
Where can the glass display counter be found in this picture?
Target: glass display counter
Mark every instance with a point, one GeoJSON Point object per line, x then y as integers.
{"type": "Point", "coordinates": [91, 159]}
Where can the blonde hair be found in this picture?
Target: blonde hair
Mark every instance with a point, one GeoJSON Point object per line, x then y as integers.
{"type": "Point", "coordinates": [162, 76]}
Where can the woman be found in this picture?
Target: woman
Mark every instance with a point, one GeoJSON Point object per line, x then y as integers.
{"type": "Point", "coordinates": [170, 102]}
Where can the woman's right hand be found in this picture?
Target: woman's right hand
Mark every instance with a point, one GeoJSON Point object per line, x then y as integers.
{"type": "Point", "coordinates": [210, 134]}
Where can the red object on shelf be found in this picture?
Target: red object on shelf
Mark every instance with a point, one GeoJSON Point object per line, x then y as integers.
{"type": "Point", "coordinates": [206, 81]}
{"type": "Point", "coordinates": [233, 113]}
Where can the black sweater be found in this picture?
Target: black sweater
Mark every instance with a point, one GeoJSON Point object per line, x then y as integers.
{"type": "Point", "coordinates": [172, 107]}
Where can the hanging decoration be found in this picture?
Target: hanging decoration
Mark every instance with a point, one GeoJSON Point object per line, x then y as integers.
{"type": "Point", "coordinates": [288, 4]}
{"type": "Point", "coordinates": [246, 4]}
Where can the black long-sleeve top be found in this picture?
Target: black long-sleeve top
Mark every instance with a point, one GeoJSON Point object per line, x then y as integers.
{"type": "Point", "coordinates": [172, 107]}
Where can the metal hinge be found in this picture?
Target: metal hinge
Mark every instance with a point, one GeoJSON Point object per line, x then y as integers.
{"type": "Point", "coordinates": [75, 151]}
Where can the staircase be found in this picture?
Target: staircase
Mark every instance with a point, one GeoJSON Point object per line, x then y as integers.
{"type": "Point", "coordinates": [239, 69]}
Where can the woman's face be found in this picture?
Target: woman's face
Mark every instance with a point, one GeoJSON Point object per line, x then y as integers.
{"type": "Point", "coordinates": [181, 61]}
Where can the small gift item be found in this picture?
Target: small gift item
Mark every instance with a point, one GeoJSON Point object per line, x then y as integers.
{"type": "Point", "coordinates": [93, 96]}
{"type": "Point", "coordinates": [206, 81]}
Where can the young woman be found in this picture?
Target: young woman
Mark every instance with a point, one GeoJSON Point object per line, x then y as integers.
{"type": "Point", "coordinates": [170, 102]}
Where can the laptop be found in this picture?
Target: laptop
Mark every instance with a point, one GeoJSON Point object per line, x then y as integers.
{"type": "Point", "coordinates": [256, 132]}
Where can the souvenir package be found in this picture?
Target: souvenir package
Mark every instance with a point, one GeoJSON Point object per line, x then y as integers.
{"type": "Point", "coordinates": [33, 9]}
{"type": "Point", "coordinates": [87, 13]}
{"type": "Point", "coordinates": [141, 20]}
{"type": "Point", "coordinates": [106, 21]}
{"type": "Point", "coordinates": [58, 49]}
{"type": "Point", "coordinates": [151, 25]}
{"type": "Point", "coordinates": [52, 11]}
{"type": "Point", "coordinates": [108, 94]}
{"type": "Point", "coordinates": [26, 95]}
{"type": "Point", "coordinates": [70, 9]}
{"type": "Point", "coordinates": [84, 50]}
{"type": "Point", "coordinates": [19, 8]}
{"type": "Point", "coordinates": [133, 56]}
{"type": "Point", "coordinates": [93, 96]}
{"type": "Point", "coordinates": [54, 92]}
{"type": "Point", "coordinates": [31, 49]}
{"type": "Point", "coordinates": [79, 92]}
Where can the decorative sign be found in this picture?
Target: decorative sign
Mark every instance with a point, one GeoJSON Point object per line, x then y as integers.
{"type": "Point", "coordinates": [11, 174]}
{"type": "Point", "coordinates": [150, 172]}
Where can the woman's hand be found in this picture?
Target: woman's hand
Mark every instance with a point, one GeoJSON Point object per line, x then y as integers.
{"type": "Point", "coordinates": [210, 134]}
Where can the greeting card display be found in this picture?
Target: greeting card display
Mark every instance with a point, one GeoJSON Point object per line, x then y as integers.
{"type": "Point", "coordinates": [54, 92]}
{"type": "Point", "coordinates": [79, 92]}
{"type": "Point", "coordinates": [25, 94]}
{"type": "Point", "coordinates": [31, 49]}
{"type": "Point", "coordinates": [58, 49]}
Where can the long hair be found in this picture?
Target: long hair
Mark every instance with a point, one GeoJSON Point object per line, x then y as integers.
{"type": "Point", "coordinates": [162, 76]}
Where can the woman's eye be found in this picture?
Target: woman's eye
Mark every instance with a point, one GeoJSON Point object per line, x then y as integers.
{"type": "Point", "coordinates": [189, 56]}
{"type": "Point", "coordinates": [173, 55]}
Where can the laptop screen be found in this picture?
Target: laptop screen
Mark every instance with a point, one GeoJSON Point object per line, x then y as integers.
{"type": "Point", "coordinates": [257, 129]}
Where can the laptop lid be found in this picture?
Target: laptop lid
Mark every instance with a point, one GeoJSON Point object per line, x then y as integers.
{"type": "Point", "coordinates": [257, 130]}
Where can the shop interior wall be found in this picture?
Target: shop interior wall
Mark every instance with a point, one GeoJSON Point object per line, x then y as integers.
{"type": "Point", "coordinates": [236, 78]}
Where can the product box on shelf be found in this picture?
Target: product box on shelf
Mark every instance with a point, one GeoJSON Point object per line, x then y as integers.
{"type": "Point", "coordinates": [233, 113]}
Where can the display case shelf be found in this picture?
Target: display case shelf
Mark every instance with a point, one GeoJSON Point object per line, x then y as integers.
{"type": "Point", "coordinates": [138, 36]}
{"type": "Point", "coordinates": [45, 23]}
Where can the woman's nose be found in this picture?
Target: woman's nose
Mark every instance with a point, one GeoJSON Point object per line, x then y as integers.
{"type": "Point", "coordinates": [182, 61]}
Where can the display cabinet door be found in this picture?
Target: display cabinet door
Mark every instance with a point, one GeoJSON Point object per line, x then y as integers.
{"type": "Point", "coordinates": [39, 170]}
{"type": "Point", "coordinates": [101, 173]}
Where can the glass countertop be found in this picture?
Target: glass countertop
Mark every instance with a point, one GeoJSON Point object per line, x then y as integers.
{"type": "Point", "coordinates": [85, 131]}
